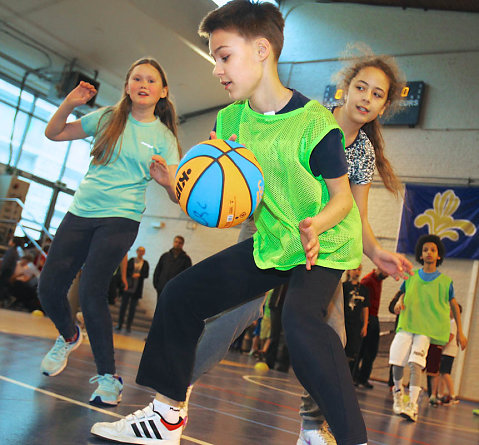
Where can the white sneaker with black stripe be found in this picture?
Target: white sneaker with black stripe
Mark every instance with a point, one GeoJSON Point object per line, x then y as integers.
{"type": "Point", "coordinates": [145, 426]}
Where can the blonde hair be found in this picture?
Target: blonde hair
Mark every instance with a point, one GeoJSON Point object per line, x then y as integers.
{"type": "Point", "coordinates": [389, 67]}
{"type": "Point", "coordinates": [112, 123]}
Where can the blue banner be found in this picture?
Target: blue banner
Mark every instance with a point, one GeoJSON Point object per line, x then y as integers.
{"type": "Point", "coordinates": [452, 213]}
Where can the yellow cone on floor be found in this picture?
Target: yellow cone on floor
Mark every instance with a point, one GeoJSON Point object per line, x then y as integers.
{"type": "Point", "coordinates": [38, 313]}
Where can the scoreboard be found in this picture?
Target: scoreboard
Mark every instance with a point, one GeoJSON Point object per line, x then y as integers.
{"type": "Point", "coordinates": [409, 109]}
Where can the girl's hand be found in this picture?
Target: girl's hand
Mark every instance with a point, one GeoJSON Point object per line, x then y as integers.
{"type": "Point", "coordinates": [159, 171]}
{"type": "Point", "coordinates": [310, 241]}
{"type": "Point", "coordinates": [80, 95]}
{"type": "Point", "coordinates": [394, 264]}
{"type": "Point", "coordinates": [233, 137]}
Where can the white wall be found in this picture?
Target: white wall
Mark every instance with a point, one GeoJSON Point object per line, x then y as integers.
{"type": "Point", "coordinates": [437, 47]}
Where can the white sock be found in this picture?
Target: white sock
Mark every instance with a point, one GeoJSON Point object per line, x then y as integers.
{"type": "Point", "coordinates": [414, 393]}
{"type": "Point", "coordinates": [170, 413]}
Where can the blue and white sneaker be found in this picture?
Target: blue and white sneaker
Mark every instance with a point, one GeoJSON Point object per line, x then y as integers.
{"type": "Point", "coordinates": [56, 359]}
{"type": "Point", "coordinates": [109, 390]}
{"type": "Point", "coordinates": [145, 426]}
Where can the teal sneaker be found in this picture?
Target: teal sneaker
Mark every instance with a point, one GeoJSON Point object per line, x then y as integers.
{"type": "Point", "coordinates": [56, 359]}
{"type": "Point", "coordinates": [109, 390]}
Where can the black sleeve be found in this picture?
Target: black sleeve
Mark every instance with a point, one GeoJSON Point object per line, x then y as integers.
{"type": "Point", "coordinates": [366, 296]}
{"type": "Point", "coordinates": [130, 267]}
{"type": "Point", "coordinates": [394, 301]}
{"type": "Point", "coordinates": [328, 158]}
{"type": "Point", "coordinates": [145, 270]}
{"type": "Point", "coordinates": [156, 273]}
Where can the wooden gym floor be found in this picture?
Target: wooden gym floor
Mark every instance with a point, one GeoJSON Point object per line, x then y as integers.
{"type": "Point", "coordinates": [231, 405]}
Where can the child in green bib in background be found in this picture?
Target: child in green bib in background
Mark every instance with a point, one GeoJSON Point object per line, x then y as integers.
{"type": "Point", "coordinates": [423, 308]}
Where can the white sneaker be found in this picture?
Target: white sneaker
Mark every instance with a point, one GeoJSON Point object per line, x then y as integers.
{"type": "Point", "coordinates": [184, 406]}
{"type": "Point", "coordinates": [145, 426]}
{"type": "Point", "coordinates": [398, 405]}
{"type": "Point", "coordinates": [321, 436]}
{"type": "Point", "coordinates": [410, 412]}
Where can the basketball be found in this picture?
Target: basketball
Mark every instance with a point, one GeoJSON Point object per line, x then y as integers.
{"type": "Point", "coordinates": [219, 183]}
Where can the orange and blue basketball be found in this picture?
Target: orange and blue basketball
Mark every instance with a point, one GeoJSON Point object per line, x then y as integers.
{"type": "Point", "coordinates": [219, 183]}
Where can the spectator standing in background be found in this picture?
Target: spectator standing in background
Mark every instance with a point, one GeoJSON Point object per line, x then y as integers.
{"type": "Point", "coordinates": [170, 264]}
{"type": "Point", "coordinates": [373, 281]}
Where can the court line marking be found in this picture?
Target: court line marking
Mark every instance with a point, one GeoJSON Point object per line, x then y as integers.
{"type": "Point", "coordinates": [369, 411]}
{"type": "Point", "coordinates": [251, 379]}
{"type": "Point", "coordinates": [84, 405]}
{"type": "Point", "coordinates": [215, 410]}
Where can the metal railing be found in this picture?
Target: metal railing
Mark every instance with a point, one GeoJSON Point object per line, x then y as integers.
{"type": "Point", "coordinates": [24, 227]}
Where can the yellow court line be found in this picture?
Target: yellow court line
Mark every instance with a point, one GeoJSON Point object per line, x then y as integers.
{"type": "Point", "coordinates": [84, 405]}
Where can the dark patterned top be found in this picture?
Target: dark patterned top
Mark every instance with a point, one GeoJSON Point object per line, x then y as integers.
{"type": "Point", "coordinates": [361, 158]}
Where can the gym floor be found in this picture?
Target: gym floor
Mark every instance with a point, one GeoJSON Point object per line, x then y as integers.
{"type": "Point", "coordinates": [231, 405]}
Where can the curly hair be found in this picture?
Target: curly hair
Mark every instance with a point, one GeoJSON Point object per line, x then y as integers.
{"type": "Point", "coordinates": [430, 239]}
{"type": "Point", "coordinates": [389, 67]}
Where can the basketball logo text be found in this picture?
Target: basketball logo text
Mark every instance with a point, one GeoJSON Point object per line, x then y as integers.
{"type": "Point", "coordinates": [259, 193]}
{"type": "Point", "coordinates": [180, 185]}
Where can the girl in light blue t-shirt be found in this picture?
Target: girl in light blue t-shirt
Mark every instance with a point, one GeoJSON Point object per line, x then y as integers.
{"type": "Point", "coordinates": [135, 141]}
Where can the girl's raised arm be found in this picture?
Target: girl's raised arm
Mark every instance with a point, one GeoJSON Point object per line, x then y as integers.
{"type": "Point", "coordinates": [58, 129]}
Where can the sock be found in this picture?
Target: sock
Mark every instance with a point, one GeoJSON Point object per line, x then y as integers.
{"type": "Point", "coordinates": [170, 413]}
{"type": "Point", "coordinates": [397, 385]}
{"type": "Point", "coordinates": [74, 338]}
{"type": "Point", "coordinates": [414, 393]}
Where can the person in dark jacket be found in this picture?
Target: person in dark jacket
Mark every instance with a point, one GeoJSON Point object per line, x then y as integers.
{"type": "Point", "coordinates": [7, 267]}
{"type": "Point", "coordinates": [136, 272]}
{"type": "Point", "coordinates": [170, 264]}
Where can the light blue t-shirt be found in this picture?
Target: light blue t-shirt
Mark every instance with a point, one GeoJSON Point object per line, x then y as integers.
{"type": "Point", "coordinates": [429, 276]}
{"type": "Point", "coordinates": [118, 188]}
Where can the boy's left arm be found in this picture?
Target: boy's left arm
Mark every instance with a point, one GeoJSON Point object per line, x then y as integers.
{"type": "Point", "coordinates": [461, 338]}
{"type": "Point", "coordinates": [339, 205]}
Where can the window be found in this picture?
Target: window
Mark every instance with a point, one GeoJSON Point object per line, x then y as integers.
{"type": "Point", "coordinates": [31, 152]}
{"type": "Point", "coordinates": [36, 208]}
{"type": "Point", "coordinates": [62, 205]}
{"type": "Point", "coordinates": [77, 163]}
{"type": "Point", "coordinates": [7, 114]}
{"type": "Point", "coordinates": [9, 93]}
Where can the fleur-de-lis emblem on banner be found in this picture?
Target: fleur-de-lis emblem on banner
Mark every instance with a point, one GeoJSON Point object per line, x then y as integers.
{"type": "Point", "coordinates": [440, 220]}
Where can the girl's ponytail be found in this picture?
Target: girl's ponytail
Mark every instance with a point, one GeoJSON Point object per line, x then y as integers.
{"type": "Point", "coordinates": [384, 167]}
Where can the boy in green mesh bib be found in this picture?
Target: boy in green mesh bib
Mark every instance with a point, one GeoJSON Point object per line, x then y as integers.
{"type": "Point", "coordinates": [426, 300]}
{"type": "Point", "coordinates": [309, 232]}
